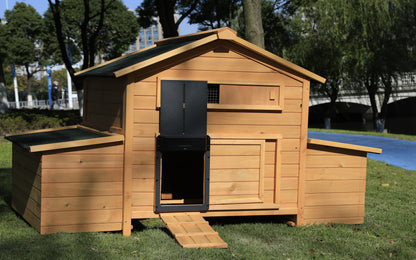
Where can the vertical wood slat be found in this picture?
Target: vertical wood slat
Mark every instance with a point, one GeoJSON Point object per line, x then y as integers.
{"type": "Point", "coordinates": [302, 151]}
{"type": "Point", "coordinates": [261, 166]}
{"type": "Point", "coordinates": [277, 170]}
{"type": "Point", "coordinates": [128, 160]}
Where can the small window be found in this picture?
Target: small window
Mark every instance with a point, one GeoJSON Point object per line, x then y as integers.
{"type": "Point", "coordinates": [214, 93]}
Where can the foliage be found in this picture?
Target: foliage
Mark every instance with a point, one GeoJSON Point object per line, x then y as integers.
{"type": "Point", "coordinates": [23, 42]}
{"type": "Point", "coordinates": [379, 49]}
{"type": "Point", "coordinates": [276, 16]}
{"type": "Point", "coordinates": [358, 44]}
{"type": "Point", "coordinates": [319, 28]}
{"type": "Point", "coordinates": [24, 28]}
{"type": "Point", "coordinates": [39, 87]}
{"type": "Point", "coordinates": [96, 27]}
{"type": "Point", "coordinates": [212, 14]}
{"type": "Point", "coordinates": [165, 10]}
{"type": "Point", "coordinates": [23, 120]}
{"type": "Point", "coordinates": [99, 27]}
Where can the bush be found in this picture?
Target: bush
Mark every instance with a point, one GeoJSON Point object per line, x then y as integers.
{"type": "Point", "coordinates": [17, 121]}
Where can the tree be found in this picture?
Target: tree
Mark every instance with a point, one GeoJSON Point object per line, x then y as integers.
{"type": "Point", "coordinates": [213, 14]}
{"type": "Point", "coordinates": [379, 49]}
{"type": "Point", "coordinates": [91, 28]}
{"type": "Point", "coordinates": [320, 33]}
{"type": "Point", "coordinates": [253, 22]}
{"type": "Point", "coordinates": [276, 17]}
{"type": "Point", "coordinates": [165, 10]}
{"type": "Point", "coordinates": [24, 46]}
{"type": "Point", "coordinates": [359, 44]}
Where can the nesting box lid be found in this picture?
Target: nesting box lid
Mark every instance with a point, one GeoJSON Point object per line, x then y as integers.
{"type": "Point", "coordinates": [62, 138]}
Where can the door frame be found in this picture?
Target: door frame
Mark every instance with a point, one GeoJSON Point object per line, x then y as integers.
{"type": "Point", "coordinates": [158, 169]}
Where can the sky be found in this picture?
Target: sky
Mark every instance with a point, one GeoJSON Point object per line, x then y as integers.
{"type": "Point", "coordinates": [42, 5]}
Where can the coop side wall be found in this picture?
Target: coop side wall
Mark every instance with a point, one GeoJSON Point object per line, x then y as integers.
{"type": "Point", "coordinates": [104, 104]}
{"type": "Point", "coordinates": [232, 187]}
{"type": "Point", "coordinates": [26, 189]}
{"type": "Point", "coordinates": [81, 189]}
{"type": "Point", "coordinates": [334, 185]}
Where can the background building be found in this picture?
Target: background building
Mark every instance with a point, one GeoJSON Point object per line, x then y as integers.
{"type": "Point", "coordinates": [148, 36]}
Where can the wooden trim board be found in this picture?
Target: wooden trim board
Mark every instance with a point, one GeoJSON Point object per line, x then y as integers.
{"type": "Point", "coordinates": [111, 138]}
{"type": "Point", "coordinates": [303, 152]}
{"type": "Point", "coordinates": [128, 159]}
{"type": "Point", "coordinates": [345, 146]}
{"type": "Point", "coordinates": [73, 144]}
{"type": "Point", "coordinates": [164, 56]}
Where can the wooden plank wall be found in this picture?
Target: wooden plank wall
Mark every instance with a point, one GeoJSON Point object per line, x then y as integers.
{"type": "Point", "coordinates": [218, 67]}
{"type": "Point", "coordinates": [145, 126]}
{"type": "Point", "coordinates": [235, 174]}
{"type": "Point", "coordinates": [103, 99]}
{"type": "Point", "coordinates": [26, 190]}
{"type": "Point", "coordinates": [334, 185]}
{"type": "Point", "coordinates": [82, 190]}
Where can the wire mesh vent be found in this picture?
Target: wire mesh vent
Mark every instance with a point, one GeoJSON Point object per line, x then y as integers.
{"type": "Point", "coordinates": [214, 93]}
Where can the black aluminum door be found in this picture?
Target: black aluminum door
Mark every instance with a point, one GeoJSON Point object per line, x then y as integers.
{"type": "Point", "coordinates": [183, 110]}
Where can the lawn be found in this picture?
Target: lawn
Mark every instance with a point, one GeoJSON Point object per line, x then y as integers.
{"type": "Point", "coordinates": [388, 231]}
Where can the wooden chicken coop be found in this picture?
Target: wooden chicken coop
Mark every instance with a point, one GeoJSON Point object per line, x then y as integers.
{"type": "Point", "coordinates": [196, 126]}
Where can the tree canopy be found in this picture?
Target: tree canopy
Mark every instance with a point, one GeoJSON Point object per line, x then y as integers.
{"type": "Point", "coordinates": [319, 29]}
{"type": "Point", "coordinates": [354, 44]}
{"type": "Point", "coordinates": [92, 28]}
{"type": "Point", "coordinates": [24, 30]}
{"type": "Point", "coordinates": [213, 14]}
{"type": "Point", "coordinates": [165, 10]}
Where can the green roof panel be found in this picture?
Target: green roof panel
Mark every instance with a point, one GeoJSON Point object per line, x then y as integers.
{"type": "Point", "coordinates": [109, 69]}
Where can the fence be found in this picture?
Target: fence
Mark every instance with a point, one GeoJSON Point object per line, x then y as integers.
{"type": "Point", "coordinates": [44, 104]}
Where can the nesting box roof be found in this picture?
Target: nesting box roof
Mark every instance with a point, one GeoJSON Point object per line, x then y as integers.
{"type": "Point", "coordinates": [171, 47]}
{"type": "Point", "coordinates": [62, 138]}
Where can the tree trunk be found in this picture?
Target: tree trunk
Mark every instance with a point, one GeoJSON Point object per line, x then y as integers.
{"type": "Point", "coordinates": [329, 114]}
{"type": "Point", "coordinates": [4, 104]}
{"type": "Point", "coordinates": [253, 22]}
{"type": "Point", "coordinates": [332, 93]}
{"type": "Point", "coordinates": [372, 96]}
{"type": "Point", "coordinates": [381, 120]}
{"type": "Point", "coordinates": [80, 94]}
{"type": "Point", "coordinates": [166, 12]}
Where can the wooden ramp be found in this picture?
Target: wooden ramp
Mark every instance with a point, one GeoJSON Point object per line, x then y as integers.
{"type": "Point", "coordinates": [191, 230]}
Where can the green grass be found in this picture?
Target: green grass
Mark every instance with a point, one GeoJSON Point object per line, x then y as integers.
{"type": "Point", "coordinates": [388, 231]}
{"type": "Point", "coordinates": [396, 136]}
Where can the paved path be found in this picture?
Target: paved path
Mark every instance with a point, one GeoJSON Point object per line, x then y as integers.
{"type": "Point", "coordinates": [396, 152]}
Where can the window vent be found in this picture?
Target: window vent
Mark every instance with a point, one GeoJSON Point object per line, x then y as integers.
{"type": "Point", "coordinates": [214, 93]}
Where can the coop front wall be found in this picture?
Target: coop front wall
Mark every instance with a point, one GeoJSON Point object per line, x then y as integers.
{"type": "Point", "coordinates": [247, 179]}
{"type": "Point", "coordinates": [334, 185]}
{"type": "Point", "coordinates": [75, 190]}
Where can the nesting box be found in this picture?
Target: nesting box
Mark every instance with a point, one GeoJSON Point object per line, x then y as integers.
{"type": "Point", "coordinates": [202, 125]}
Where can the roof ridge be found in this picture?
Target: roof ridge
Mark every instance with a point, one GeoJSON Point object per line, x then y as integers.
{"type": "Point", "coordinates": [193, 36]}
